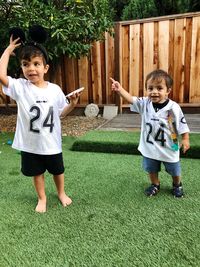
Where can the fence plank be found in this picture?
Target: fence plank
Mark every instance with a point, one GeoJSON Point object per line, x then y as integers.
{"type": "Point", "coordinates": [125, 58]}
{"type": "Point", "coordinates": [188, 47]}
{"type": "Point", "coordinates": [134, 71]}
{"type": "Point", "coordinates": [109, 66]}
{"type": "Point", "coordinates": [70, 70]}
{"type": "Point", "coordinates": [195, 59]}
{"type": "Point", "coordinates": [163, 41]}
{"type": "Point", "coordinates": [148, 46]}
{"type": "Point", "coordinates": [96, 73]}
{"type": "Point", "coordinates": [83, 78]}
{"type": "Point", "coordinates": [179, 59]}
{"type": "Point", "coordinates": [103, 70]}
{"type": "Point", "coordinates": [118, 61]}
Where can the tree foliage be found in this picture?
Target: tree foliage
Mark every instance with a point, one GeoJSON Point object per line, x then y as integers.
{"type": "Point", "coordinates": [117, 6]}
{"type": "Point", "coordinates": [72, 25]}
{"type": "Point", "coordinates": [166, 7]}
{"type": "Point", "coordinates": [138, 9]}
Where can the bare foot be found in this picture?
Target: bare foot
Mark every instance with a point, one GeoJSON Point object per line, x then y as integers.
{"type": "Point", "coordinates": [65, 200]}
{"type": "Point", "coordinates": [41, 206]}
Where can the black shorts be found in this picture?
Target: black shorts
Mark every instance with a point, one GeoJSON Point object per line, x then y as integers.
{"type": "Point", "coordinates": [34, 164]}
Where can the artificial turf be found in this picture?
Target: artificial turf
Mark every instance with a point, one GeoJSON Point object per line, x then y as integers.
{"type": "Point", "coordinates": [110, 223]}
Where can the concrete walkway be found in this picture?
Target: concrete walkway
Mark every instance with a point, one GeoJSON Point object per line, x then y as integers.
{"type": "Point", "coordinates": [131, 122]}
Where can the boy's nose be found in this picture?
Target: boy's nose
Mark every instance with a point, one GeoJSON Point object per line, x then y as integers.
{"type": "Point", "coordinates": [154, 90]}
{"type": "Point", "coordinates": [31, 67]}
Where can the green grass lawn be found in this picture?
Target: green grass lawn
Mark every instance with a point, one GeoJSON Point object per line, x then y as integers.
{"type": "Point", "coordinates": [111, 223]}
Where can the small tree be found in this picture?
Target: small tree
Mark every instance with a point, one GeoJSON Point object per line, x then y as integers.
{"type": "Point", "coordinates": [72, 25]}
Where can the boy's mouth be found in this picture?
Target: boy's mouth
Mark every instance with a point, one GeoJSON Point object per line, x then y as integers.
{"type": "Point", "coordinates": [32, 75]}
{"type": "Point", "coordinates": [154, 97]}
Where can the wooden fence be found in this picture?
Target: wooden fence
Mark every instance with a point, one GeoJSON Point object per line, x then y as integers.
{"type": "Point", "coordinates": [171, 43]}
{"type": "Point", "coordinates": [138, 47]}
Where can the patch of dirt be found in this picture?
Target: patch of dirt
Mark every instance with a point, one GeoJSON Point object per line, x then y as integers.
{"type": "Point", "coordinates": [79, 125]}
{"type": "Point", "coordinates": [71, 125]}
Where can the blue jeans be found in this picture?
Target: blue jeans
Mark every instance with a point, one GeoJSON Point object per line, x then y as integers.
{"type": "Point", "coordinates": [154, 166]}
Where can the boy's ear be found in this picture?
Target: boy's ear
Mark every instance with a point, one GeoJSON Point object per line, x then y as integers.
{"type": "Point", "coordinates": [46, 68]}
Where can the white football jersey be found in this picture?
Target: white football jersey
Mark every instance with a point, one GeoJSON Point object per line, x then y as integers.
{"type": "Point", "coordinates": [160, 130]}
{"type": "Point", "coordinates": [38, 128]}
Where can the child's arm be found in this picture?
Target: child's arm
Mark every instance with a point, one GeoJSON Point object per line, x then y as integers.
{"type": "Point", "coordinates": [73, 101]}
{"type": "Point", "coordinates": [5, 59]}
{"type": "Point", "coordinates": [185, 142]}
{"type": "Point", "coordinates": [116, 86]}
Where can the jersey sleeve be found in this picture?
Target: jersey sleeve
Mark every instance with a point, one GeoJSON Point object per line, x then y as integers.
{"type": "Point", "coordinates": [138, 104]}
{"type": "Point", "coordinates": [62, 101]}
{"type": "Point", "coordinates": [181, 124]}
{"type": "Point", "coordinates": [13, 89]}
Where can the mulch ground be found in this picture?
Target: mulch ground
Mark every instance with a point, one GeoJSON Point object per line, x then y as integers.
{"type": "Point", "coordinates": [79, 125]}
{"type": "Point", "coordinates": [71, 125]}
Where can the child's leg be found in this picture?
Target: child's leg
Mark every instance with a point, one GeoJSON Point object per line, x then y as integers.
{"type": "Point", "coordinates": [59, 182]}
{"type": "Point", "coordinates": [154, 178]}
{"type": "Point", "coordinates": [154, 188]}
{"type": "Point", "coordinates": [174, 169]}
{"type": "Point", "coordinates": [177, 189]}
{"type": "Point", "coordinates": [176, 180]}
{"type": "Point", "coordinates": [40, 189]}
{"type": "Point", "coordinates": [152, 167]}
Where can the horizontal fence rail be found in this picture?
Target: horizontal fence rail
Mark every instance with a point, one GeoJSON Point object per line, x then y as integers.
{"type": "Point", "coordinates": [171, 43]}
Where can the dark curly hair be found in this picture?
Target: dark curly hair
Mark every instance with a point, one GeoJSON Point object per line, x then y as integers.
{"type": "Point", "coordinates": [28, 51]}
{"type": "Point", "coordinates": [159, 75]}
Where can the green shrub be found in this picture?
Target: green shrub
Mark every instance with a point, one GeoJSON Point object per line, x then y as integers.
{"type": "Point", "coordinates": [72, 25]}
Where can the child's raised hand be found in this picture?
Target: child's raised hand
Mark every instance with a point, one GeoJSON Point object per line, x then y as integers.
{"type": "Point", "coordinates": [13, 45]}
{"type": "Point", "coordinates": [116, 86]}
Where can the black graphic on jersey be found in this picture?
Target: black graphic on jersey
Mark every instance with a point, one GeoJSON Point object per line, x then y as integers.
{"type": "Point", "coordinates": [183, 120]}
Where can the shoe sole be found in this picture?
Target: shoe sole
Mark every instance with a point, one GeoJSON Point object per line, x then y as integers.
{"type": "Point", "coordinates": [153, 195]}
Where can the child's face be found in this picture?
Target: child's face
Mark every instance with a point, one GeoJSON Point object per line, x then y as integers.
{"type": "Point", "coordinates": [157, 90]}
{"type": "Point", "coordinates": [34, 70]}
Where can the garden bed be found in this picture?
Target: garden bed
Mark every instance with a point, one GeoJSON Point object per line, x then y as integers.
{"type": "Point", "coordinates": [71, 125]}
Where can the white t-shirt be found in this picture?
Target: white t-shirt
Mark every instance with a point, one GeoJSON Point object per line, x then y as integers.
{"type": "Point", "coordinates": [157, 133]}
{"type": "Point", "coordinates": [38, 128]}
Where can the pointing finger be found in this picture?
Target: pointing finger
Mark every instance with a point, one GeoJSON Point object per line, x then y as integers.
{"type": "Point", "coordinates": [112, 80]}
